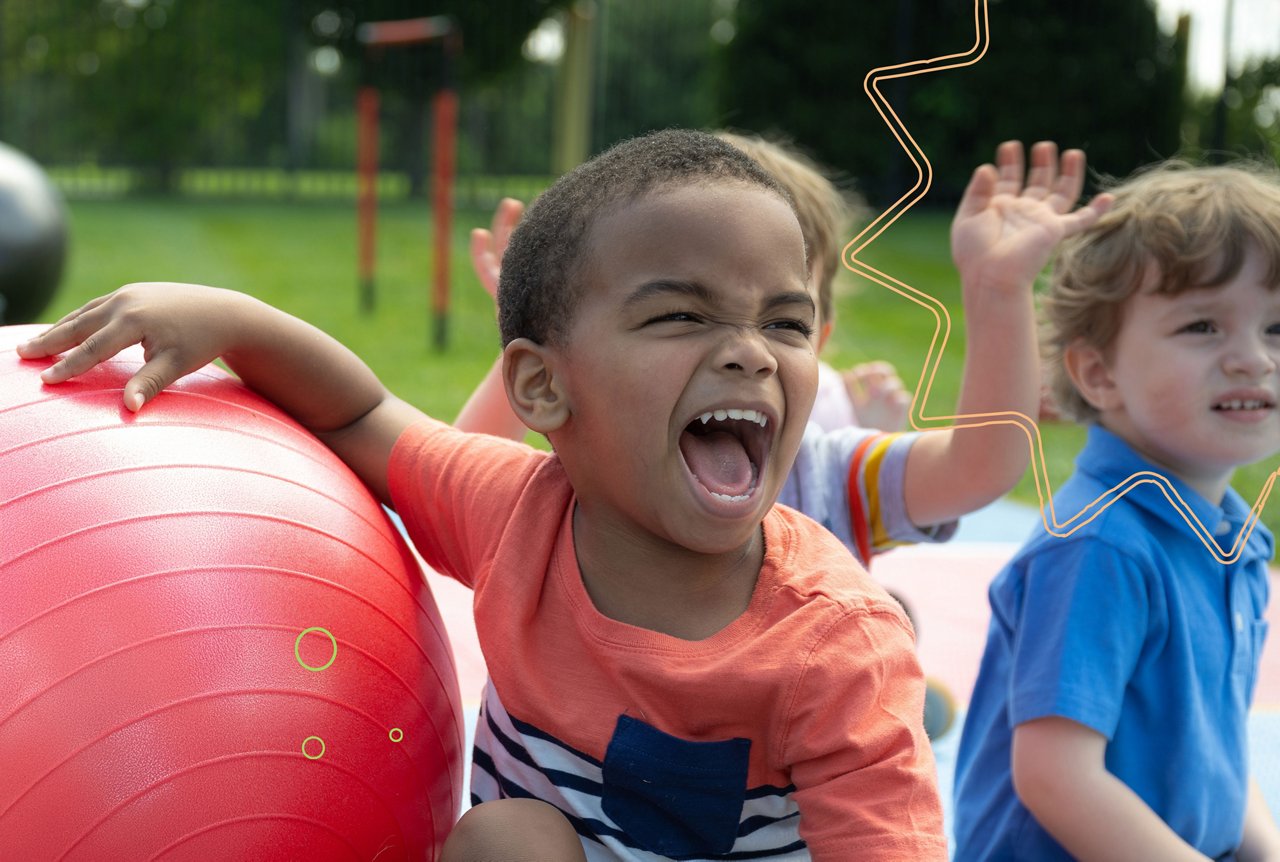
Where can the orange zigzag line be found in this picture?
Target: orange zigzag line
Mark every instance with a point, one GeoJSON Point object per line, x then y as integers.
{"type": "Point", "coordinates": [942, 323]}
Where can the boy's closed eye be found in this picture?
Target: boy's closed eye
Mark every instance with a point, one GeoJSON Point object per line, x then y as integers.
{"type": "Point", "coordinates": [674, 317]}
{"type": "Point", "coordinates": [803, 327]}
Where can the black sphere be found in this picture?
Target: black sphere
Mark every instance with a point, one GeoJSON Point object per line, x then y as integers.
{"type": "Point", "coordinates": [33, 238]}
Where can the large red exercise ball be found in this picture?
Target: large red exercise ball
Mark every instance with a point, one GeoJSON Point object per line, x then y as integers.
{"type": "Point", "coordinates": [213, 644]}
{"type": "Point", "coordinates": [33, 238]}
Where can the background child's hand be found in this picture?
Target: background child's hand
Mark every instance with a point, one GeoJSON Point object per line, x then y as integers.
{"type": "Point", "coordinates": [181, 327]}
{"type": "Point", "coordinates": [1004, 231]}
{"type": "Point", "coordinates": [488, 246]}
{"type": "Point", "coordinates": [878, 397]}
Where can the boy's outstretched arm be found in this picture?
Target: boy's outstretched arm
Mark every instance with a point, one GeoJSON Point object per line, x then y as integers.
{"type": "Point", "coordinates": [1060, 774]}
{"type": "Point", "coordinates": [1004, 231]}
{"type": "Point", "coordinates": [487, 411]}
{"type": "Point", "coordinates": [182, 327]}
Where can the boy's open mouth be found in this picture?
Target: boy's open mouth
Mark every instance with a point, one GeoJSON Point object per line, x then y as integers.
{"type": "Point", "coordinates": [724, 450]}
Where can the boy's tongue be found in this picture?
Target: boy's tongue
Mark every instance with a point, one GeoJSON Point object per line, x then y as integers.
{"type": "Point", "coordinates": [719, 461]}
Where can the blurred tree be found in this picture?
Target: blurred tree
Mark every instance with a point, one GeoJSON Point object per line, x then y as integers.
{"type": "Point", "coordinates": [1098, 74]}
{"type": "Point", "coordinates": [148, 82]}
{"type": "Point", "coordinates": [655, 63]}
{"type": "Point", "coordinates": [1252, 99]}
{"type": "Point", "coordinates": [161, 84]}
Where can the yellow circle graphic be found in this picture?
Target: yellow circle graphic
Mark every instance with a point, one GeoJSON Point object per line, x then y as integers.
{"type": "Point", "coordinates": [396, 734]}
{"type": "Point", "coordinates": [312, 756]}
{"type": "Point", "coordinates": [304, 633]}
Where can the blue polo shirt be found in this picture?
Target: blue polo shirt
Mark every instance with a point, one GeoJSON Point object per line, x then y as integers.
{"type": "Point", "coordinates": [1130, 627]}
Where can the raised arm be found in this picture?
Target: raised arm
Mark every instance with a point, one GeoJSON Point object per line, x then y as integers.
{"type": "Point", "coordinates": [1060, 774]}
{"type": "Point", "coordinates": [487, 411]}
{"type": "Point", "coordinates": [182, 327]}
{"type": "Point", "coordinates": [1003, 234]}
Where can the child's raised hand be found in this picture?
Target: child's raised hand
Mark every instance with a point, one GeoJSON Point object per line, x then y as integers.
{"type": "Point", "coordinates": [1005, 230]}
{"type": "Point", "coordinates": [879, 399]}
{"type": "Point", "coordinates": [488, 246]}
{"type": "Point", "coordinates": [181, 327]}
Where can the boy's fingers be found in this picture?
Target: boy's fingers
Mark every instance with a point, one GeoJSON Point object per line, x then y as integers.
{"type": "Point", "coordinates": [1070, 182]}
{"type": "Point", "coordinates": [88, 306]}
{"type": "Point", "coordinates": [1009, 163]}
{"type": "Point", "coordinates": [151, 379]}
{"type": "Point", "coordinates": [505, 219]}
{"type": "Point", "coordinates": [1102, 203]}
{"type": "Point", "coordinates": [1083, 218]}
{"type": "Point", "coordinates": [1044, 158]}
{"type": "Point", "coordinates": [981, 188]}
{"type": "Point", "coordinates": [85, 351]}
{"type": "Point", "coordinates": [68, 332]}
{"type": "Point", "coordinates": [482, 260]}
{"type": "Point", "coordinates": [37, 347]}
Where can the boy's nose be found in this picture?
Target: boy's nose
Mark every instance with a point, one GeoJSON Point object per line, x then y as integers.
{"type": "Point", "coordinates": [747, 351]}
{"type": "Point", "coordinates": [1251, 356]}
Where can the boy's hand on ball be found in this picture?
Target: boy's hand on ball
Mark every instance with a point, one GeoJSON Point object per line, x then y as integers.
{"type": "Point", "coordinates": [181, 327]}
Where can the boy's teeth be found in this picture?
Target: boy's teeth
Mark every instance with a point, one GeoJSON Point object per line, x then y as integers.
{"type": "Point", "coordinates": [1242, 405]}
{"type": "Point", "coordinates": [734, 413]}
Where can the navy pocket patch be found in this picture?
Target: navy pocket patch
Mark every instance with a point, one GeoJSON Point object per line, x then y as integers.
{"type": "Point", "coordinates": [672, 796]}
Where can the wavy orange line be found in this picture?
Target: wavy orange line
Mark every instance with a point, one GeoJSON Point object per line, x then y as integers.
{"type": "Point", "coordinates": [942, 323]}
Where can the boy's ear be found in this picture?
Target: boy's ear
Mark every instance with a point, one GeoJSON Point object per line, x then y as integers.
{"type": "Point", "coordinates": [1091, 374]}
{"type": "Point", "coordinates": [534, 390]}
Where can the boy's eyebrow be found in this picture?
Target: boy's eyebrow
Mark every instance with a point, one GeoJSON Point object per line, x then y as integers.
{"type": "Point", "coordinates": [1186, 303]}
{"type": "Point", "coordinates": [792, 297]}
{"type": "Point", "coordinates": [698, 291]}
{"type": "Point", "coordinates": [691, 289]}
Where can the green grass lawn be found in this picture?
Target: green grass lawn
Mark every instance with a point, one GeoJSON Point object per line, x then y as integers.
{"type": "Point", "coordinates": [302, 258]}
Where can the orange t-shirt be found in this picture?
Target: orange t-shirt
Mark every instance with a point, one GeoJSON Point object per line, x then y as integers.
{"type": "Point", "coordinates": [795, 732]}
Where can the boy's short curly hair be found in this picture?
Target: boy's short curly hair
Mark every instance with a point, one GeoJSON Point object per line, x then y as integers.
{"type": "Point", "coordinates": [824, 209]}
{"type": "Point", "coordinates": [540, 281]}
{"type": "Point", "coordinates": [1174, 226]}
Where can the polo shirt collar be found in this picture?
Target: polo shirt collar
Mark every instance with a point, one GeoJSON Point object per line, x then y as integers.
{"type": "Point", "coordinates": [1110, 460]}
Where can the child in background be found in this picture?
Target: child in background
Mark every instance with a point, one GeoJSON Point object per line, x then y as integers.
{"type": "Point", "coordinates": [678, 667]}
{"type": "Point", "coordinates": [1109, 718]}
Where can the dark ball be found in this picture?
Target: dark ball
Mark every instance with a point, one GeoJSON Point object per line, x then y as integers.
{"type": "Point", "coordinates": [33, 238]}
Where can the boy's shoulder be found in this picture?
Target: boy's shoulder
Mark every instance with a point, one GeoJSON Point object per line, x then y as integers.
{"type": "Point", "coordinates": [813, 566]}
{"type": "Point", "coordinates": [1118, 499]}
